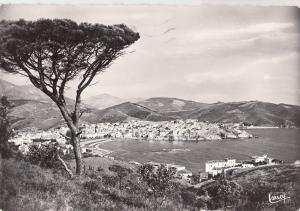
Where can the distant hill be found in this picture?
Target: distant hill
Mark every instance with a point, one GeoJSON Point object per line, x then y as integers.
{"type": "Point", "coordinates": [34, 109]}
{"type": "Point", "coordinates": [251, 112]}
{"type": "Point", "coordinates": [103, 101]}
{"type": "Point", "coordinates": [160, 109]}
{"type": "Point", "coordinates": [127, 111]}
{"type": "Point", "coordinates": [20, 92]}
{"type": "Point", "coordinates": [32, 113]}
{"type": "Point", "coordinates": [39, 114]}
{"type": "Point", "coordinates": [165, 104]}
{"type": "Point", "coordinates": [31, 108]}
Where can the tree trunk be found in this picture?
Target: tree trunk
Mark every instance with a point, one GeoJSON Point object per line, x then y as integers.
{"type": "Point", "coordinates": [75, 137]}
{"type": "Point", "coordinates": [75, 140]}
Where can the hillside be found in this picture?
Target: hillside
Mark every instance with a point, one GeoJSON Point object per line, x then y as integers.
{"type": "Point", "coordinates": [33, 109]}
{"type": "Point", "coordinates": [256, 184]}
{"type": "Point", "coordinates": [103, 101]}
{"type": "Point", "coordinates": [20, 92]}
{"type": "Point", "coordinates": [251, 112]}
{"type": "Point", "coordinates": [270, 175]}
{"type": "Point", "coordinates": [38, 114]}
{"type": "Point", "coordinates": [161, 109]}
{"type": "Point", "coordinates": [127, 111]}
{"type": "Point", "coordinates": [165, 104]}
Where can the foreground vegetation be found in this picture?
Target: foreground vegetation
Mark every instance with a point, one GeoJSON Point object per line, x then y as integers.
{"type": "Point", "coordinates": [25, 186]}
{"type": "Point", "coordinates": [29, 187]}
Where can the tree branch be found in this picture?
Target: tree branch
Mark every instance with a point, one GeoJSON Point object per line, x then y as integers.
{"type": "Point", "coordinates": [65, 167]}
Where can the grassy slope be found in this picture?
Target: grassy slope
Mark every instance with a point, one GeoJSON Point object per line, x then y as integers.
{"type": "Point", "coordinates": [27, 187]}
{"type": "Point", "coordinates": [284, 173]}
{"type": "Point", "coordinates": [277, 173]}
{"type": "Point", "coordinates": [103, 163]}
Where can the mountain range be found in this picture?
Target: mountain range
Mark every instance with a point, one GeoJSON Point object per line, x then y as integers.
{"type": "Point", "coordinates": [103, 101]}
{"type": "Point", "coordinates": [31, 108]}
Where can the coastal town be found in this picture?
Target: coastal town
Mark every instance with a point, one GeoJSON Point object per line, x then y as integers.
{"type": "Point", "coordinates": [179, 130]}
{"type": "Point", "coordinates": [183, 130]}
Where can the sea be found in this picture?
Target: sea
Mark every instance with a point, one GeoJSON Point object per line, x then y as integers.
{"type": "Point", "coordinates": [278, 143]}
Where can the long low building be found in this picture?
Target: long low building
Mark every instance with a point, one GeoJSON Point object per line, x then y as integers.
{"type": "Point", "coordinates": [215, 167]}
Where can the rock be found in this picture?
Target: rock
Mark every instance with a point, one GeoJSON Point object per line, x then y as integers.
{"type": "Point", "coordinates": [244, 134]}
{"type": "Point", "coordinates": [230, 136]}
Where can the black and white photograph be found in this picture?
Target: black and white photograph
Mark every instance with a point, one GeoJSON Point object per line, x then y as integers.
{"type": "Point", "coordinates": [136, 105]}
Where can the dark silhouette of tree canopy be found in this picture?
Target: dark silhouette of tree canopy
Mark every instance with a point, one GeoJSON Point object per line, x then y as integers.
{"type": "Point", "coordinates": [51, 53]}
{"type": "Point", "coordinates": [160, 181]}
{"type": "Point", "coordinates": [121, 172]}
{"type": "Point", "coordinates": [5, 129]}
{"type": "Point", "coordinates": [228, 193]}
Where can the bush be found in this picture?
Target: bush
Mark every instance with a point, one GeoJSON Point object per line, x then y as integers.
{"type": "Point", "coordinates": [5, 129]}
{"type": "Point", "coordinates": [121, 172]}
{"type": "Point", "coordinates": [92, 185]}
{"type": "Point", "coordinates": [44, 156]}
{"type": "Point", "coordinates": [160, 182]}
{"type": "Point", "coordinates": [109, 180]}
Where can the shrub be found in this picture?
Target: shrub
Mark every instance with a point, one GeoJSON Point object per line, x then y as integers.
{"type": "Point", "coordinates": [160, 182]}
{"type": "Point", "coordinates": [121, 172]}
{"type": "Point", "coordinates": [109, 180]}
{"type": "Point", "coordinates": [44, 155]}
{"type": "Point", "coordinates": [5, 129]}
{"type": "Point", "coordinates": [92, 185]}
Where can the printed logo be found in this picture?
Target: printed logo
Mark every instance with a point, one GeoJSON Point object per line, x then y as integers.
{"type": "Point", "coordinates": [276, 197]}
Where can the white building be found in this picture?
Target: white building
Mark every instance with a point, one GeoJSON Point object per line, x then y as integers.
{"type": "Point", "coordinates": [203, 176]}
{"type": "Point", "coordinates": [184, 174]}
{"type": "Point", "coordinates": [258, 159]}
{"type": "Point", "coordinates": [176, 167]}
{"type": "Point", "coordinates": [215, 167]}
{"type": "Point", "coordinates": [247, 165]}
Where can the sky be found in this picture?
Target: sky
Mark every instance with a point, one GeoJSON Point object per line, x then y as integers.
{"type": "Point", "coordinates": [206, 53]}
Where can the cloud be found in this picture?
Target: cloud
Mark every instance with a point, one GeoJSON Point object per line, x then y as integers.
{"type": "Point", "coordinates": [213, 53]}
{"type": "Point", "coordinates": [213, 77]}
{"type": "Point", "coordinates": [266, 77]}
{"type": "Point", "coordinates": [169, 30]}
{"type": "Point", "coordinates": [235, 33]}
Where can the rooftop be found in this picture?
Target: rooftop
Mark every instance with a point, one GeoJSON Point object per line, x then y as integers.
{"type": "Point", "coordinates": [218, 161]}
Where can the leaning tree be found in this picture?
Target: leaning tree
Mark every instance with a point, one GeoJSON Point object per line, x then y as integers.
{"type": "Point", "coordinates": [52, 53]}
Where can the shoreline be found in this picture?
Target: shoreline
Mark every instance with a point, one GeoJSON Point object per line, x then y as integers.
{"type": "Point", "coordinates": [93, 146]}
{"type": "Point", "coordinates": [105, 140]}
{"type": "Point", "coordinates": [264, 127]}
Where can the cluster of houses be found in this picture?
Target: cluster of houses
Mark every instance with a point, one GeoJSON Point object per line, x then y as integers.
{"type": "Point", "coordinates": [23, 140]}
{"type": "Point", "coordinates": [216, 167]}
{"type": "Point", "coordinates": [189, 129]}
